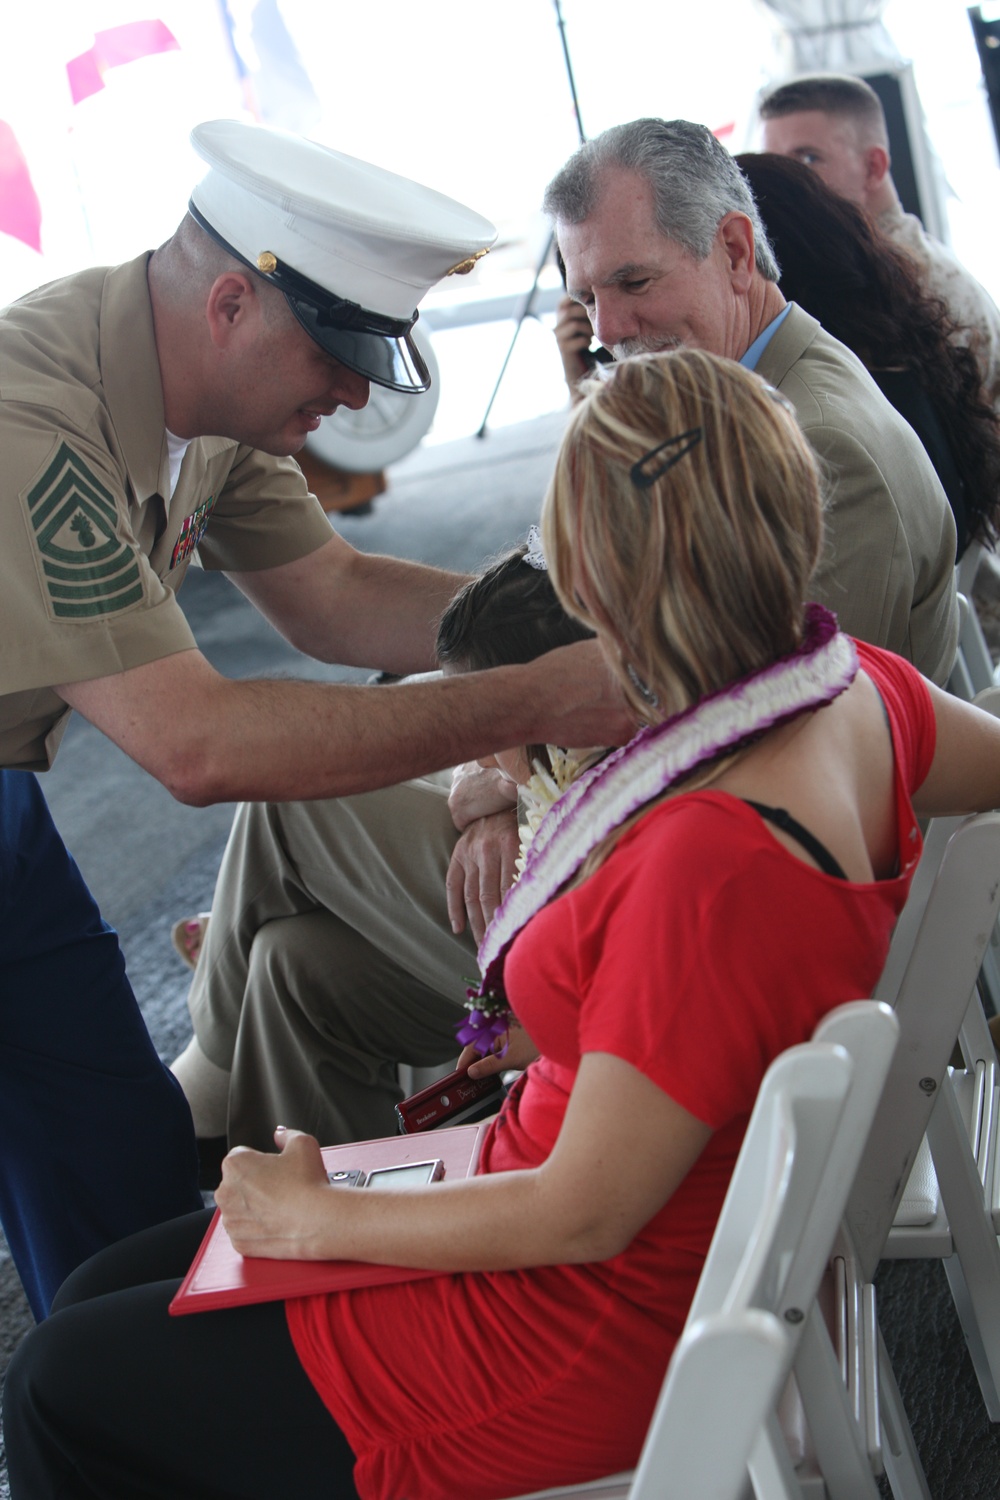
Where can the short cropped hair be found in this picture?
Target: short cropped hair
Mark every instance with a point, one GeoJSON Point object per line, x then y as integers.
{"type": "Point", "coordinates": [694, 180]}
{"type": "Point", "coordinates": [697, 574]}
{"type": "Point", "coordinates": [832, 94]}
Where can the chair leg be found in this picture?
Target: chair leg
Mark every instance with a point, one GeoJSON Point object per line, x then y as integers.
{"type": "Point", "coordinates": [771, 1474]}
{"type": "Point", "coordinates": [903, 1468]}
{"type": "Point", "coordinates": [836, 1436]}
{"type": "Point", "coordinates": [974, 1270]}
{"type": "Point", "coordinates": [990, 976]}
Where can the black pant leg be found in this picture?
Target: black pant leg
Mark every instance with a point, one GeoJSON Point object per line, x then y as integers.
{"type": "Point", "coordinates": [112, 1399]}
{"type": "Point", "coordinates": [161, 1253]}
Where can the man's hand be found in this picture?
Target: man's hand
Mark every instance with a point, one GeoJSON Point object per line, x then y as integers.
{"type": "Point", "coordinates": [573, 332]}
{"type": "Point", "coordinates": [476, 792]}
{"type": "Point", "coordinates": [581, 702]}
{"type": "Point", "coordinates": [481, 871]}
{"type": "Point", "coordinates": [273, 1206]}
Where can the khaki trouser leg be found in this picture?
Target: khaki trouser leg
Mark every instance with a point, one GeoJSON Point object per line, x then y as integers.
{"type": "Point", "coordinates": [330, 942]}
{"type": "Point", "coordinates": [327, 1016]}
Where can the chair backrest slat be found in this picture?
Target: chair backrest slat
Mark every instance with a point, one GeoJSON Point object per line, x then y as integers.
{"type": "Point", "coordinates": [932, 992]}
{"type": "Point", "coordinates": [770, 1249]}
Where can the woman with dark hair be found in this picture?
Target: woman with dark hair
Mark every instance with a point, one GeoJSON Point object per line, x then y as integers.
{"type": "Point", "coordinates": [838, 266]}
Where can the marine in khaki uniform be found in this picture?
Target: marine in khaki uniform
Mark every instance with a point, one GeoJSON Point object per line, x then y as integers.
{"type": "Point", "coordinates": [145, 411]}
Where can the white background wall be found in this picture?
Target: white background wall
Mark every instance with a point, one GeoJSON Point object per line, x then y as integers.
{"type": "Point", "coordinates": [472, 99]}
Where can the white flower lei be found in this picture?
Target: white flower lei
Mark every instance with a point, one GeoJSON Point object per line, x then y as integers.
{"type": "Point", "coordinates": [544, 787]}
{"type": "Point", "coordinates": [658, 756]}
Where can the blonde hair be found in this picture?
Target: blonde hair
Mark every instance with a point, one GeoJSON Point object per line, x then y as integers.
{"type": "Point", "coordinates": [699, 577]}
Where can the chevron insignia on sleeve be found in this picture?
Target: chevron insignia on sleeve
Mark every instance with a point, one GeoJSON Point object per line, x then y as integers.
{"type": "Point", "coordinates": [88, 570]}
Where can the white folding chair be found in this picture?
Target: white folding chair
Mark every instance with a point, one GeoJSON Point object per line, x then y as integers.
{"type": "Point", "coordinates": [943, 941]}
{"type": "Point", "coordinates": [973, 670]}
{"type": "Point", "coordinates": [714, 1433]}
{"type": "Point", "coordinates": [930, 974]}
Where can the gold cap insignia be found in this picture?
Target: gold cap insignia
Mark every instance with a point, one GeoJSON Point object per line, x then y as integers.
{"type": "Point", "coordinates": [465, 266]}
{"type": "Point", "coordinates": [267, 262]}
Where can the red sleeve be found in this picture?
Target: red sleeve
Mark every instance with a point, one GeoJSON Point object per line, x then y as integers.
{"type": "Point", "coordinates": [911, 713]}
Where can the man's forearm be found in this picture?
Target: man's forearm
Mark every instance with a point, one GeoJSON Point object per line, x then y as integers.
{"type": "Point", "coordinates": [389, 619]}
{"type": "Point", "coordinates": [341, 605]}
{"type": "Point", "coordinates": [209, 739]}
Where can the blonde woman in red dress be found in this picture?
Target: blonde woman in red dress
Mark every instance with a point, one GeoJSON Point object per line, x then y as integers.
{"type": "Point", "coordinates": [689, 908]}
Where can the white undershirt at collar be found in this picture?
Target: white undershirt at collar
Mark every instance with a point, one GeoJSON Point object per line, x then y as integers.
{"type": "Point", "coordinates": [176, 449]}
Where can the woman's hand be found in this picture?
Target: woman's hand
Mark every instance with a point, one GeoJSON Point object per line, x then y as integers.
{"type": "Point", "coordinates": [274, 1206]}
{"type": "Point", "coordinates": [521, 1051]}
{"type": "Point", "coordinates": [623, 1148]}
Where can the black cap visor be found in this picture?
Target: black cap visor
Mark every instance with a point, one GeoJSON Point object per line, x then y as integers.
{"type": "Point", "coordinates": [369, 343]}
{"type": "Point", "coordinates": [395, 363]}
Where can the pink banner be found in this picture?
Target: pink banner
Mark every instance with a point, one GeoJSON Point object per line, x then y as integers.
{"type": "Point", "coordinates": [20, 210]}
{"type": "Point", "coordinates": [113, 48]}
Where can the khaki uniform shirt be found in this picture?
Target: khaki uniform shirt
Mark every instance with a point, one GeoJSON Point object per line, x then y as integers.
{"type": "Point", "coordinates": [888, 563]}
{"type": "Point", "coordinates": [942, 274]}
{"type": "Point", "coordinates": [91, 551]}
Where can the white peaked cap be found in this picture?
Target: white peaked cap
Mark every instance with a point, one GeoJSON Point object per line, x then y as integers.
{"type": "Point", "coordinates": [354, 248]}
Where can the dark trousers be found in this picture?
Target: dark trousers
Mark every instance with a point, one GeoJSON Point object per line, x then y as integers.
{"type": "Point", "coordinates": [112, 1399]}
{"type": "Point", "coordinates": [96, 1138]}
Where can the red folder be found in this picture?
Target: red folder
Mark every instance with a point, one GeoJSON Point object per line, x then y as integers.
{"type": "Point", "coordinates": [221, 1277]}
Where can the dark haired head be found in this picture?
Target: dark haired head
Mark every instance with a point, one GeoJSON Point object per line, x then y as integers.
{"type": "Point", "coordinates": [508, 614]}
{"type": "Point", "coordinates": [840, 268]}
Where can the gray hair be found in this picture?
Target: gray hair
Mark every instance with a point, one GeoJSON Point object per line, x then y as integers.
{"type": "Point", "coordinates": [694, 179]}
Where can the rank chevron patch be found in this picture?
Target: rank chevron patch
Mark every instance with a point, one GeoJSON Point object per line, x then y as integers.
{"type": "Point", "coordinates": [88, 570]}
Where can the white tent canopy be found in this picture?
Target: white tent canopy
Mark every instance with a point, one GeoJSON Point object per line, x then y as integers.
{"type": "Point", "coordinates": [835, 36]}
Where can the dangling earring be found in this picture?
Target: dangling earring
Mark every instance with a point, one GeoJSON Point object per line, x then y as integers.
{"type": "Point", "coordinates": [645, 692]}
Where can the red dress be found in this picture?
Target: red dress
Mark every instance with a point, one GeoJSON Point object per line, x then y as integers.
{"type": "Point", "coordinates": [698, 951]}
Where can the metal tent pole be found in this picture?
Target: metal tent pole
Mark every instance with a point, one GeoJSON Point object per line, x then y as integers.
{"type": "Point", "coordinates": [529, 301]}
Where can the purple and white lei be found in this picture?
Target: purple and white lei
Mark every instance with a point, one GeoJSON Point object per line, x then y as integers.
{"type": "Point", "coordinates": [820, 670]}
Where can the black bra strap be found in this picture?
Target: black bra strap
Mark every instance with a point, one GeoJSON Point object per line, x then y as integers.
{"type": "Point", "coordinates": [783, 820]}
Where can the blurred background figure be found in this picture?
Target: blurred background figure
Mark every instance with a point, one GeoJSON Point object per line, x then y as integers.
{"type": "Point", "coordinates": [838, 266]}
{"type": "Point", "coordinates": [834, 124]}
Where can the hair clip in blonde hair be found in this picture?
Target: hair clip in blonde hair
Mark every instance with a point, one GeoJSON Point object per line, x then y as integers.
{"type": "Point", "coordinates": [534, 556]}
{"type": "Point", "coordinates": [644, 473]}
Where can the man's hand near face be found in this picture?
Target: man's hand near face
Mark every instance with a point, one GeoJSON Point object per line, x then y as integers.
{"type": "Point", "coordinates": [573, 333]}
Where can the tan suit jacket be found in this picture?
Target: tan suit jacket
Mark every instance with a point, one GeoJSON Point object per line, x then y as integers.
{"type": "Point", "coordinates": [888, 564]}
